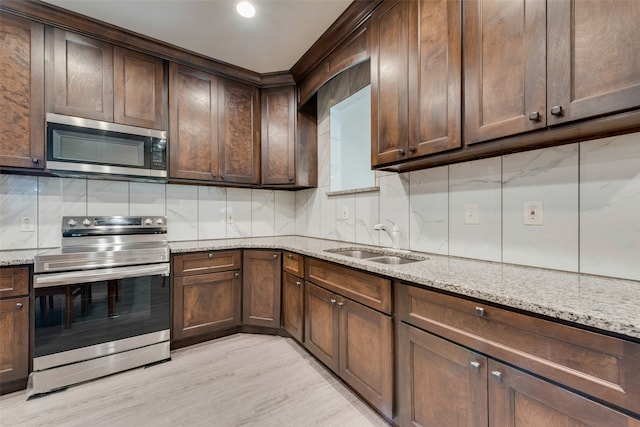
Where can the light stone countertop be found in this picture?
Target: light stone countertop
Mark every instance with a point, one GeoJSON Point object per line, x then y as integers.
{"type": "Point", "coordinates": [608, 304]}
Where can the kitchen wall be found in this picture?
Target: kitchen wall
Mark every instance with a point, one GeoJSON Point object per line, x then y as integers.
{"type": "Point", "coordinates": [590, 193]}
{"type": "Point", "coordinates": [194, 212]}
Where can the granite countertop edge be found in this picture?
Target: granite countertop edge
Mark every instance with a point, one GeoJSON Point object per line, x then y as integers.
{"type": "Point", "coordinates": [606, 304]}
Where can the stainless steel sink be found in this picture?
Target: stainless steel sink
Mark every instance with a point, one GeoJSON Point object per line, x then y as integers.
{"type": "Point", "coordinates": [355, 253]}
{"type": "Point", "coordinates": [393, 260]}
{"type": "Point", "coordinates": [379, 257]}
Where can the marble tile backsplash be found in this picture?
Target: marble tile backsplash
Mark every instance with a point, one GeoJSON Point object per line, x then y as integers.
{"type": "Point", "coordinates": [193, 212]}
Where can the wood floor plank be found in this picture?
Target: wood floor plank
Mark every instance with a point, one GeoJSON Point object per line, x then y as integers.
{"type": "Point", "coordinates": [241, 380]}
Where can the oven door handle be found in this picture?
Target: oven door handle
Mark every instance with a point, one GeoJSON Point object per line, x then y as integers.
{"type": "Point", "coordinates": [87, 276]}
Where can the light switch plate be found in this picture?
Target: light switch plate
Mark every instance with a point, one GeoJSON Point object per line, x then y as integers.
{"type": "Point", "coordinates": [345, 213]}
{"type": "Point", "coordinates": [533, 213]}
{"type": "Point", "coordinates": [471, 214]}
{"type": "Point", "coordinates": [27, 223]}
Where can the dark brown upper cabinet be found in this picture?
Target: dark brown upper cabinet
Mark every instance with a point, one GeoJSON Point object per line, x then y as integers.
{"type": "Point", "coordinates": [213, 128]}
{"type": "Point", "coordinates": [278, 135]}
{"type": "Point", "coordinates": [416, 84]}
{"type": "Point", "coordinates": [93, 79]}
{"type": "Point", "coordinates": [514, 83]}
{"type": "Point", "coordinates": [22, 88]}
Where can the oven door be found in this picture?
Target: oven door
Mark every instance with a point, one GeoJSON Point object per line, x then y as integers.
{"type": "Point", "coordinates": [85, 314]}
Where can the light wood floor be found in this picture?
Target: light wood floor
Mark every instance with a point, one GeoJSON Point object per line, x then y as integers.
{"type": "Point", "coordinates": [241, 380]}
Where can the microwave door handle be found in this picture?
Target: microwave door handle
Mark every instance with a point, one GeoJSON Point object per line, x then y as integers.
{"type": "Point", "coordinates": [88, 276]}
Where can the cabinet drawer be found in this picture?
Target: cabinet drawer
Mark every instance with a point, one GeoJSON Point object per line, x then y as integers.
{"type": "Point", "coordinates": [596, 364]}
{"type": "Point", "coordinates": [293, 263]}
{"type": "Point", "coordinates": [206, 262]}
{"type": "Point", "coordinates": [367, 289]}
{"type": "Point", "coordinates": [14, 281]}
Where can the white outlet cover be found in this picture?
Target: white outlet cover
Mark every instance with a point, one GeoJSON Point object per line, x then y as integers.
{"type": "Point", "coordinates": [533, 213]}
{"type": "Point", "coordinates": [471, 214]}
{"type": "Point", "coordinates": [345, 213]}
{"type": "Point", "coordinates": [27, 223]}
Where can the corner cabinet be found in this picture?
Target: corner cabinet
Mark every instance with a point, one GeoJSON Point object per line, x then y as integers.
{"type": "Point", "coordinates": [14, 324]}
{"type": "Point", "coordinates": [207, 294]}
{"type": "Point", "coordinates": [261, 288]}
{"type": "Point", "coordinates": [453, 356]}
{"type": "Point", "coordinates": [22, 87]}
{"type": "Point", "coordinates": [589, 70]}
{"type": "Point", "coordinates": [293, 295]}
{"type": "Point", "coordinates": [346, 332]}
{"type": "Point", "coordinates": [96, 80]}
{"type": "Point", "coordinates": [416, 79]}
{"type": "Point", "coordinates": [213, 128]}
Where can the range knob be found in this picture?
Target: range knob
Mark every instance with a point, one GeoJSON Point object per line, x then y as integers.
{"type": "Point", "coordinates": [71, 222]}
{"type": "Point", "coordinates": [148, 221]}
{"type": "Point", "coordinates": [86, 222]}
{"type": "Point", "coordinates": [159, 221]}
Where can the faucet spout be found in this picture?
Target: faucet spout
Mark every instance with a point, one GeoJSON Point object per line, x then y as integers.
{"type": "Point", "coordinates": [394, 234]}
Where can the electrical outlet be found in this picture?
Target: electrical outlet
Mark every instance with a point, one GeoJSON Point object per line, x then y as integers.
{"type": "Point", "coordinates": [229, 215]}
{"type": "Point", "coordinates": [27, 223]}
{"type": "Point", "coordinates": [345, 213]}
{"type": "Point", "coordinates": [471, 214]}
{"type": "Point", "coordinates": [533, 213]}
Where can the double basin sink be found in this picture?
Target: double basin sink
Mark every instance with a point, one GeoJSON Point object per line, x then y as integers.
{"type": "Point", "coordinates": [378, 257]}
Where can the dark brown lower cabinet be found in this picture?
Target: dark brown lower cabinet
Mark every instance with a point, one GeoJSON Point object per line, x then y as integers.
{"type": "Point", "coordinates": [14, 343]}
{"type": "Point", "coordinates": [354, 341]}
{"type": "Point", "coordinates": [444, 384]}
{"type": "Point", "coordinates": [261, 288]}
{"type": "Point", "coordinates": [293, 305]}
{"type": "Point", "coordinates": [206, 303]}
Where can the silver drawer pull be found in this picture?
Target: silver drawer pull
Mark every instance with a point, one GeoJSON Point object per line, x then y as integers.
{"type": "Point", "coordinates": [497, 375]}
{"type": "Point", "coordinates": [479, 311]}
{"type": "Point", "coordinates": [19, 305]}
{"type": "Point", "coordinates": [298, 284]}
{"type": "Point", "coordinates": [332, 301]}
{"type": "Point", "coordinates": [475, 365]}
{"type": "Point", "coordinates": [340, 304]}
{"type": "Point", "coordinates": [210, 256]}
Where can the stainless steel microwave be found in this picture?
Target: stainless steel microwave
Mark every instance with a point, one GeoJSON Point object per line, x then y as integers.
{"type": "Point", "coordinates": [78, 146]}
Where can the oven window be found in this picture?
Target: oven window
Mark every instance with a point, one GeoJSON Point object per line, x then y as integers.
{"type": "Point", "coordinates": [80, 315]}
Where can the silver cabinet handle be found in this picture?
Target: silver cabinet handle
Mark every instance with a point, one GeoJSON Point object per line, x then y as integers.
{"type": "Point", "coordinates": [210, 256]}
{"type": "Point", "coordinates": [275, 256]}
{"type": "Point", "coordinates": [475, 365]}
{"type": "Point", "coordinates": [19, 305]}
{"type": "Point", "coordinates": [298, 284]}
{"type": "Point", "coordinates": [340, 304]}
{"type": "Point", "coordinates": [479, 311]}
{"type": "Point", "coordinates": [332, 301]}
{"type": "Point", "coordinates": [236, 275]}
{"type": "Point", "coordinates": [290, 256]}
{"type": "Point", "coordinates": [497, 375]}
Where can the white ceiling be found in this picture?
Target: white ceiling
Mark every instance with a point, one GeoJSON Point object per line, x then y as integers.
{"type": "Point", "coordinates": [280, 33]}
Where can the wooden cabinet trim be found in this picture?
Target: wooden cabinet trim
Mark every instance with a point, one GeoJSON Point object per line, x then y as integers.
{"type": "Point", "coordinates": [293, 263]}
{"type": "Point", "coordinates": [206, 262]}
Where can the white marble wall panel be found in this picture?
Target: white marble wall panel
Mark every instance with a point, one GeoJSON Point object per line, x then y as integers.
{"type": "Point", "coordinates": [262, 213]}
{"type": "Point", "coordinates": [328, 222]}
{"type": "Point", "coordinates": [239, 203]}
{"type": "Point", "coordinates": [303, 201]}
{"type": "Point", "coordinates": [609, 206]}
{"type": "Point", "coordinates": [477, 182]}
{"type": "Point", "coordinates": [429, 215]}
{"type": "Point", "coordinates": [182, 212]}
{"type": "Point", "coordinates": [367, 214]}
{"type": "Point", "coordinates": [285, 213]}
{"type": "Point", "coordinates": [212, 210]}
{"type": "Point", "coordinates": [18, 199]}
{"type": "Point", "coordinates": [550, 176]}
{"type": "Point", "coordinates": [394, 207]}
{"type": "Point", "coordinates": [314, 213]}
{"type": "Point", "coordinates": [324, 159]}
{"type": "Point", "coordinates": [58, 197]}
{"type": "Point", "coordinates": [147, 198]}
{"type": "Point", "coordinates": [107, 197]}
{"type": "Point", "coordinates": [346, 228]}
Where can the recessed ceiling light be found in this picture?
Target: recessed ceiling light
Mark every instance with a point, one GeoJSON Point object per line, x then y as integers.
{"type": "Point", "coordinates": [245, 9]}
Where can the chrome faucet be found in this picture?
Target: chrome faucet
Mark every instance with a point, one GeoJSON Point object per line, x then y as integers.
{"type": "Point", "coordinates": [394, 234]}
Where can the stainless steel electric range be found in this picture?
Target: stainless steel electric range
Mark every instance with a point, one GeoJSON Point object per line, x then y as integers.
{"type": "Point", "coordinates": [102, 302]}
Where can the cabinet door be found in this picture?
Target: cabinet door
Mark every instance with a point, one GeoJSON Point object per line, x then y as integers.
{"type": "Point", "coordinates": [80, 79]}
{"type": "Point", "coordinates": [22, 88]}
{"type": "Point", "coordinates": [140, 98]}
{"type": "Point", "coordinates": [440, 383]}
{"type": "Point", "coordinates": [366, 353]}
{"type": "Point", "coordinates": [193, 130]}
{"type": "Point", "coordinates": [239, 121]}
{"type": "Point", "coordinates": [14, 282]}
{"type": "Point", "coordinates": [278, 135]}
{"type": "Point", "coordinates": [293, 306]}
{"type": "Point", "coordinates": [517, 399]}
{"type": "Point", "coordinates": [206, 303]}
{"type": "Point", "coordinates": [435, 76]}
{"type": "Point", "coordinates": [505, 68]}
{"type": "Point", "coordinates": [593, 66]}
{"type": "Point", "coordinates": [261, 288]}
{"type": "Point", "coordinates": [389, 83]}
{"type": "Point", "coordinates": [14, 340]}
{"type": "Point", "coordinates": [321, 323]}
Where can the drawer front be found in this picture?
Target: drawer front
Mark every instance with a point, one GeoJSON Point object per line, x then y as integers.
{"type": "Point", "coordinates": [14, 281]}
{"type": "Point", "coordinates": [206, 262]}
{"type": "Point", "coordinates": [293, 263]}
{"type": "Point", "coordinates": [596, 364]}
{"type": "Point", "coordinates": [365, 288]}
